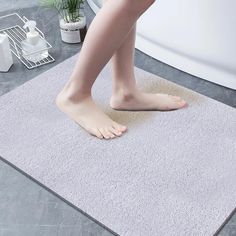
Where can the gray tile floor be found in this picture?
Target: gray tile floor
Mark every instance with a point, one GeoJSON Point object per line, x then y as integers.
{"type": "Point", "coordinates": [28, 208]}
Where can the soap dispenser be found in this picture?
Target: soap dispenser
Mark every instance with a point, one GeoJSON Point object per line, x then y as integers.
{"type": "Point", "coordinates": [34, 48]}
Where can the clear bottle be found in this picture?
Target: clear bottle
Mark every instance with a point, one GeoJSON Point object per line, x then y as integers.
{"type": "Point", "coordinates": [34, 48]}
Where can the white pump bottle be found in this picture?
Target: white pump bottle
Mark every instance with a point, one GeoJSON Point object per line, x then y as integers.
{"type": "Point", "coordinates": [33, 35]}
{"type": "Point", "coordinates": [34, 48]}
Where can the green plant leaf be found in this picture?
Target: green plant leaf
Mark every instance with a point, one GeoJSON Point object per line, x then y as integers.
{"type": "Point", "coordinates": [68, 9]}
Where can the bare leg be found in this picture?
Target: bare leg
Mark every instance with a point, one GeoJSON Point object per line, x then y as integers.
{"type": "Point", "coordinates": [105, 35]}
{"type": "Point", "coordinates": [126, 95]}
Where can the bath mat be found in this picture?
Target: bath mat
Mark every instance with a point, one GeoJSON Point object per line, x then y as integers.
{"type": "Point", "coordinates": [172, 173]}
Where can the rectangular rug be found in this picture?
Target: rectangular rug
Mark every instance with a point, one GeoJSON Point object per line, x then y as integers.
{"type": "Point", "coordinates": [172, 173]}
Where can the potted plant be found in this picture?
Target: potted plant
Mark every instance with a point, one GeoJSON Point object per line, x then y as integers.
{"type": "Point", "coordinates": [71, 18]}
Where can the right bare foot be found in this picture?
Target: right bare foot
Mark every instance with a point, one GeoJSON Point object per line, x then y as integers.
{"type": "Point", "coordinates": [89, 116]}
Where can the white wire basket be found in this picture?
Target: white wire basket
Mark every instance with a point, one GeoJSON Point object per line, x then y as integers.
{"type": "Point", "coordinates": [16, 34]}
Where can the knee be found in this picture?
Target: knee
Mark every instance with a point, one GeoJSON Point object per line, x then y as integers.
{"type": "Point", "coordinates": [137, 6]}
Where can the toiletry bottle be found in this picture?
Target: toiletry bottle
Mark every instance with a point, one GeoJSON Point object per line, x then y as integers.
{"type": "Point", "coordinates": [34, 48]}
{"type": "Point", "coordinates": [6, 60]}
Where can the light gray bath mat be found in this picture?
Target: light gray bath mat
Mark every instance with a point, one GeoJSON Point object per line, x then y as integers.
{"type": "Point", "coordinates": [172, 173]}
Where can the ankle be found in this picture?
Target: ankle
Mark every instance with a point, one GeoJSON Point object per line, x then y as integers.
{"type": "Point", "coordinates": [77, 96]}
{"type": "Point", "coordinates": [125, 94]}
{"type": "Point", "coordinates": [73, 93]}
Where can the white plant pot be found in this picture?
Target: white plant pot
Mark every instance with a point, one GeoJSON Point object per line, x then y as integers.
{"type": "Point", "coordinates": [73, 32]}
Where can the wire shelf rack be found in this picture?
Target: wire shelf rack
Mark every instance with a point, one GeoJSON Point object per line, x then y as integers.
{"type": "Point", "coordinates": [16, 34]}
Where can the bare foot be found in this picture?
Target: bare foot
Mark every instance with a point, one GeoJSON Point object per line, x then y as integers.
{"type": "Point", "coordinates": [89, 116]}
{"type": "Point", "coordinates": [138, 100]}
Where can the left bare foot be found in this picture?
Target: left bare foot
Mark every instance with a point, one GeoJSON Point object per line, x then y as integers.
{"type": "Point", "coordinates": [137, 100]}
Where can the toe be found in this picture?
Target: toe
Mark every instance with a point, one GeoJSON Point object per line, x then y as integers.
{"type": "Point", "coordinates": [119, 127]}
{"type": "Point", "coordinates": [102, 131]}
{"type": "Point", "coordinates": [98, 134]}
{"type": "Point", "coordinates": [184, 103]}
{"type": "Point", "coordinates": [115, 131]}
{"type": "Point", "coordinates": [110, 133]}
{"type": "Point", "coordinates": [105, 133]}
{"type": "Point", "coordinates": [123, 128]}
{"type": "Point", "coordinates": [176, 98]}
{"type": "Point", "coordinates": [181, 103]}
{"type": "Point", "coordinates": [95, 132]}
